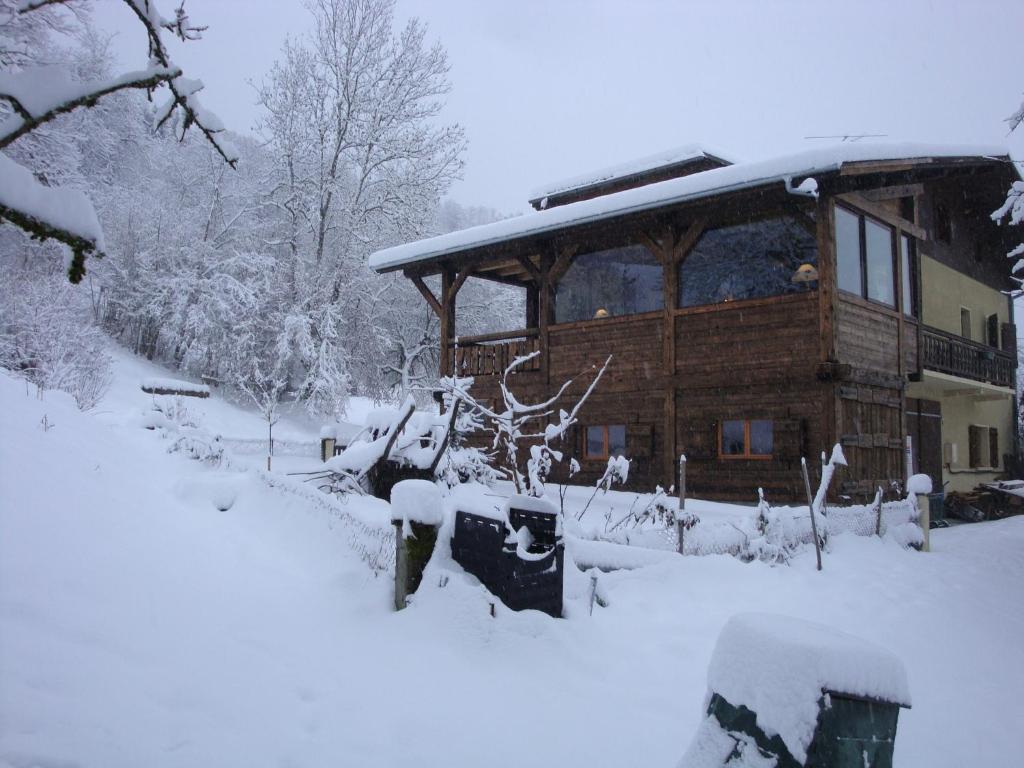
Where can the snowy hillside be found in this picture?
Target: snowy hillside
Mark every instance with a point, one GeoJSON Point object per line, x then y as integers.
{"type": "Point", "coordinates": [159, 612]}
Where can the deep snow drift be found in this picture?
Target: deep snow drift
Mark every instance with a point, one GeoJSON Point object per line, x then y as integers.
{"type": "Point", "coordinates": [141, 625]}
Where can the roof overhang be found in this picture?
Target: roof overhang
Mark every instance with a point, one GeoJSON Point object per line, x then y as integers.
{"type": "Point", "coordinates": [843, 159]}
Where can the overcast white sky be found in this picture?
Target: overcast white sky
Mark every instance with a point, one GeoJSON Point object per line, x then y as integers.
{"type": "Point", "coordinates": [554, 88]}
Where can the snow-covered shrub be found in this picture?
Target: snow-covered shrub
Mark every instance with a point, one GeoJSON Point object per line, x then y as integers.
{"type": "Point", "coordinates": [48, 337]}
{"type": "Point", "coordinates": [199, 445]}
{"type": "Point", "coordinates": [617, 471]}
{"type": "Point", "coordinates": [171, 418]}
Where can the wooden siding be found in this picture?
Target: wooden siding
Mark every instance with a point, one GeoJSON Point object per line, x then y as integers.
{"type": "Point", "coordinates": [750, 360]}
{"type": "Point", "coordinates": [867, 336]}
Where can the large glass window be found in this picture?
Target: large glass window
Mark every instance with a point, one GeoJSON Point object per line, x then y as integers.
{"type": "Point", "coordinates": [848, 251]}
{"type": "Point", "coordinates": [748, 261]}
{"type": "Point", "coordinates": [617, 281]}
{"type": "Point", "coordinates": [866, 257]}
{"type": "Point", "coordinates": [879, 256]}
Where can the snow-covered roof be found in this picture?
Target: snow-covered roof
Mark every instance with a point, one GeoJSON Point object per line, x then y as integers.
{"type": "Point", "coordinates": [665, 159]}
{"type": "Point", "coordinates": [664, 193]}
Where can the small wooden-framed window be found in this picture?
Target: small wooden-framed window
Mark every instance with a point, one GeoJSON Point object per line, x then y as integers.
{"type": "Point", "coordinates": [983, 446]}
{"type": "Point", "coordinates": [604, 440]}
{"type": "Point", "coordinates": [745, 439]}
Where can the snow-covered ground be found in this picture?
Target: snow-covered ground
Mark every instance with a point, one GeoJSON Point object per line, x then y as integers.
{"type": "Point", "coordinates": [140, 624]}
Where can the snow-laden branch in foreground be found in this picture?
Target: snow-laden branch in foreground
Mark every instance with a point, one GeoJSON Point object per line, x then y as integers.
{"type": "Point", "coordinates": [41, 94]}
{"type": "Point", "coordinates": [38, 95]}
{"type": "Point", "coordinates": [65, 215]}
{"type": "Point", "coordinates": [183, 90]}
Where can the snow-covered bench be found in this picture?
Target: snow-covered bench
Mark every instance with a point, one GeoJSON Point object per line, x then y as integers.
{"type": "Point", "coordinates": [175, 387]}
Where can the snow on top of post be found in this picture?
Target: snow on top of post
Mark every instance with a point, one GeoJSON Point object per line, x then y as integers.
{"type": "Point", "coordinates": [416, 501]}
{"type": "Point", "coordinates": [714, 182]}
{"type": "Point", "coordinates": [919, 484]}
{"type": "Point", "coordinates": [778, 667]}
{"type": "Point", "coordinates": [666, 158]}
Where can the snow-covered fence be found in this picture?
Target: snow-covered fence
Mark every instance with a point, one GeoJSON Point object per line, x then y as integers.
{"type": "Point", "coordinates": [373, 542]}
{"type": "Point", "coordinates": [787, 528]}
{"type": "Point", "coordinates": [255, 446]}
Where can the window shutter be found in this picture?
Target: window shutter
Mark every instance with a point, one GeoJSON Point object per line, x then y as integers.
{"type": "Point", "coordinates": [1008, 338]}
{"type": "Point", "coordinates": [788, 439]}
{"type": "Point", "coordinates": [975, 442]}
{"type": "Point", "coordinates": [639, 439]}
{"type": "Point", "coordinates": [993, 447]}
{"type": "Point", "coordinates": [700, 440]}
{"type": "Point", "coordinates": [993, 330]}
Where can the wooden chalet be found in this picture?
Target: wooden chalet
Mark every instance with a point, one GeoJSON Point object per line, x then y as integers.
{"type": "Point", "coordinates": [758, 313]}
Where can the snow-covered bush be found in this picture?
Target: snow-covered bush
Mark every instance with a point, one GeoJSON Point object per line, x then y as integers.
{"type": "Point", "coordinates": [617, 471]}
{"type": "Point", "coordinates": [171, 418]}
{"type": "Point", "coordinates": [48, 337]}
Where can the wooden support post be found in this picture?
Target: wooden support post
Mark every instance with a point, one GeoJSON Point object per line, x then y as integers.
{"type": "Point", "coordinates": [546, 312]}
{"type": "Point", "coordinates": [680, 527]}
{"type": "Point", "coordinates": [665, 251]}
{"type": "Point", "coordinates": [447, 322]}
{"type": "Point", "coordinates": [828, 308]}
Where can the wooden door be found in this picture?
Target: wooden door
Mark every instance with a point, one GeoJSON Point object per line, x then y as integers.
{"type": "Point", "coordinates": [924, 425]}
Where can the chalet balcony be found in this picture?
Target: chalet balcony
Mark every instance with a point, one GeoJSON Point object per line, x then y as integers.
{"type": "Point", "coordinates": [490, 354]}
{"type": "Point", "coordinates": [957, 356]}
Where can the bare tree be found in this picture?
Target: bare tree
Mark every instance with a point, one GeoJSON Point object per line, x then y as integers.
{"type": "Point", "coordinates": [518, 424]}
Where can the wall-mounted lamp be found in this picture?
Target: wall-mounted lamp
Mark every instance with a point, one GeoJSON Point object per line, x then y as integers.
{"type": "Point", "coordinates": [805, 273]}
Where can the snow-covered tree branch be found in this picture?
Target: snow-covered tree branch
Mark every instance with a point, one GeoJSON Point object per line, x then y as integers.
{"type": "Point", "coordinates": [33, 96]}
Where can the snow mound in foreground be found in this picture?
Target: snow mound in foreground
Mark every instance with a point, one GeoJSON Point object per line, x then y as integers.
{"type": "Point", "coordinates": [778, 666]}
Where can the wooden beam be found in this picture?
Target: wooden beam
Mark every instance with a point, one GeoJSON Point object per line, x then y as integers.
{"type": "Point", "coordinates": [458, 282]}
{"type": "Point", "coordinates": [561, 264]}
{"type": "Point", "coordinates": [427, 294]}
{"type": "Point", "coordinates": [882, 166]}
{"type": "Point", "coordinates": [883, 213]}
{"type": "Point", "coordinates": [530, 268]}
{"type": "Point", "coordinates": [685, 244]}
{"type": "Point", "coordinates": [497, 277]}
{"type": "Point", "coordinates": [650, 242]}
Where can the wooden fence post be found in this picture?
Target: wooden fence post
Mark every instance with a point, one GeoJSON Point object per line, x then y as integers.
{"type": "Point", "coordinates": [682, 501]}
{"type": "Point", "coordinates": [810, 507]}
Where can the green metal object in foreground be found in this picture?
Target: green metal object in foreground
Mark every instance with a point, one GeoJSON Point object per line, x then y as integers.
{"type": "Point", "coordinates": [852, 732]}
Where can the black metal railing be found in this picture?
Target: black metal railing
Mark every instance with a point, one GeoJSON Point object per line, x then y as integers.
{"type": "Point", "coordinates": [955, 355]}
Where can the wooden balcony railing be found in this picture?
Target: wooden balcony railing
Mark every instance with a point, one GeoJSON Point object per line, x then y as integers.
{"type": "Point", "coordinates": [490, 354]}
{"type": "Point", "coordinates": [948, 353]}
